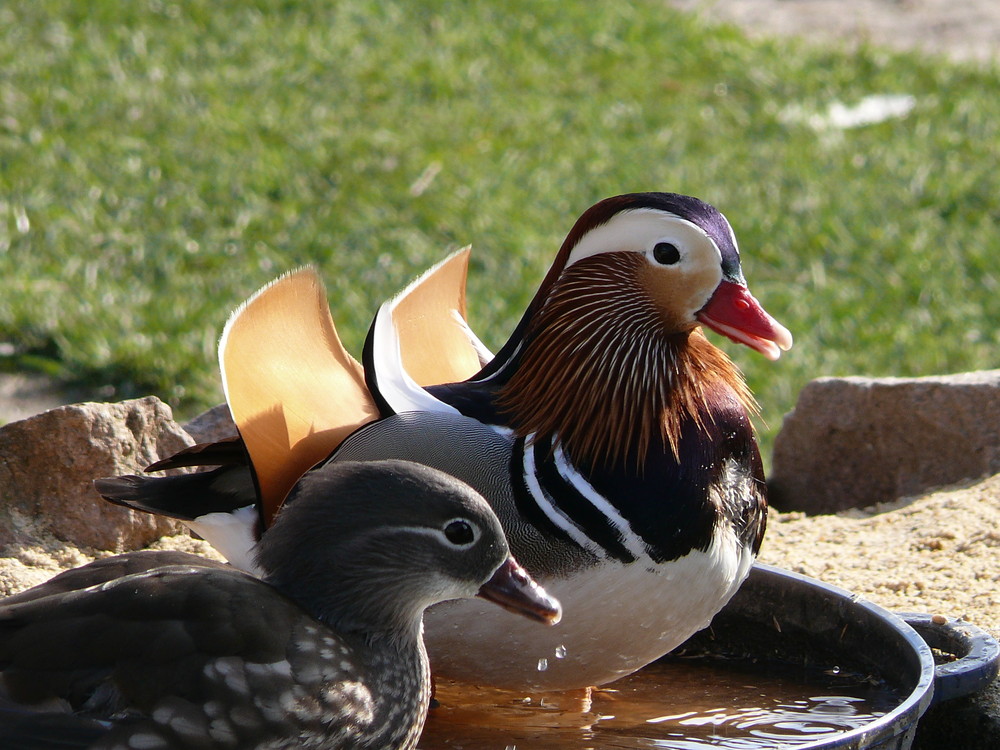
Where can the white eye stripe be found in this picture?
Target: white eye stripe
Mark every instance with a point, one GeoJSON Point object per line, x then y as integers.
{"type": "Point", "coordinates": [638, 230]}
{"type": "Point", "coordinates": [439, 534]}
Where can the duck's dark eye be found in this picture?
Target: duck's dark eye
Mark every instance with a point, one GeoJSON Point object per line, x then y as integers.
{"type": "Point", "coordinates": [460, 533]}
{"type": "Point", "coordinates": [666, 253]}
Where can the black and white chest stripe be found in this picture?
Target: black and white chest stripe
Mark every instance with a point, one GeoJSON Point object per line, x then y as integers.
{"type": "Point", "coordinates": [558, 499]}
{"type": "Point", "coordinates": [659, 515]}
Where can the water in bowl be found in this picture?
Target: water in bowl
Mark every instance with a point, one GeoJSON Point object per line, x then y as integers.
{"type": "Point", "coordinates": [678, 703]}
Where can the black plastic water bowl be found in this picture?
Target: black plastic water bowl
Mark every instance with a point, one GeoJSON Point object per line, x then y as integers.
{"type": "Point", "coordinates": [781, 616]}
{"type": "Point", "coordinates": [790, 663]}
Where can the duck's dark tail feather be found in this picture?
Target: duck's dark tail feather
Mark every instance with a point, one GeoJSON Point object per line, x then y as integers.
{"type": "Point", "coordinates": [229, 451]}
{"type": "Point", "coordinates": [183, 496]}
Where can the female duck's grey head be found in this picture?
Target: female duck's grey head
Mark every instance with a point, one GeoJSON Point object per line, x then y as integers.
{"type": "Point", "coordinates": [368, 546]}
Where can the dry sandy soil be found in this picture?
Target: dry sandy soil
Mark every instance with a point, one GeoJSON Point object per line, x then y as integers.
{"type": "Point", "coordinates": [939, 553]}
{"type": "Point", "coordinates": [960, 29]}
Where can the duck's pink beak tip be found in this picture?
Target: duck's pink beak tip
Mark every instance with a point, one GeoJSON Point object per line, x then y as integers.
{"type": "Point", "coordinates": [733, 312]}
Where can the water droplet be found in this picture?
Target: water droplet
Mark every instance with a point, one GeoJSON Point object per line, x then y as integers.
{"type": "Point", "coordinates": [543, 664]}
{"type": "Point", "coordinates": [560, 651]}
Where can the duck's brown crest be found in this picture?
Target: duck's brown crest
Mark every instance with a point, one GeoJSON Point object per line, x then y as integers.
{"type": "Point", "coordinates": [599, 372]}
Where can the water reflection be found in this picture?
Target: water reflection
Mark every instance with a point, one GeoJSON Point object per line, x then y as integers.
{"type": "Point", "coordinates": [678, 704]}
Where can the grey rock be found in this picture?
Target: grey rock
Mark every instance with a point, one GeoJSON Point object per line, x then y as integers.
{"type": "Point", "coordinates": [854, 442]}
{"type": "Point", "coordinates": [212, 425]}
{"type": "Point", "coordinates": [49, 461]}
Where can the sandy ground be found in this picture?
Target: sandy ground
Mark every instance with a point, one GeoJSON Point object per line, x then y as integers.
{"type": "Point", "coordinates": [939, 553]}
{"type": "Point", "coordinates": [25, 394]}
{"type": "Point", "coordinates": [961, 30]}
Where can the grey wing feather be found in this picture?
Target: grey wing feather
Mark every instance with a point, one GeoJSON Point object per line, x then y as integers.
{"type": "Point", "coordinates": [480, 456]}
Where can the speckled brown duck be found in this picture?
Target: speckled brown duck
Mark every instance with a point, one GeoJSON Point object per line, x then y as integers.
{"type": "Point", "coordinates": [170, 651]}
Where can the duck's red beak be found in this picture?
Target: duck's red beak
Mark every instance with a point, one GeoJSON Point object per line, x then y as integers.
{"type": "Point", "coordinates": [512, 588]}
{"type": "Point", "coordinates": [733, 312]}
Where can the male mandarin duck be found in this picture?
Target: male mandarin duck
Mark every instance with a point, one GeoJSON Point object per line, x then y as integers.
{"type": "Point", "coordinates": [612, 439]}
{"type": "Point", "coordinates": [157, 650]}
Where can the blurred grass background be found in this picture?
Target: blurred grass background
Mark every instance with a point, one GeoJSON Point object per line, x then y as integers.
{"type": "Point", "coordinates": [160, 161]}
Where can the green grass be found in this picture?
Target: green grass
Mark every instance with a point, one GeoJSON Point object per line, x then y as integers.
{"type": "Point", "coordinates": [161, 160]}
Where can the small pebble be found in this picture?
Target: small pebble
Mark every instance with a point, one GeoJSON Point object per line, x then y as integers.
{"type": "Point", "coordinates": [939, 619]}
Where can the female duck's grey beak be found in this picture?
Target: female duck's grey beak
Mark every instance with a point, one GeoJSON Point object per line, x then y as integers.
{"type": "Point", "coordinates": [512, 588]}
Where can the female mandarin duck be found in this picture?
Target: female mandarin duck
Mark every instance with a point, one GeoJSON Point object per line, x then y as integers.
{"type": "Point", "coordinates": [611, 438]}
{"type": "Point", "coordinates": [170, 651]}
